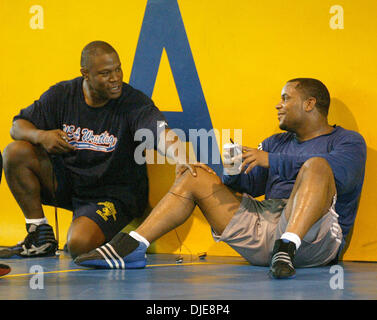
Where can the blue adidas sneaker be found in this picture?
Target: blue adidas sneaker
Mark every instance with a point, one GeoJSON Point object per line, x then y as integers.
{"type": "Point", "coordinates": [122, 252]}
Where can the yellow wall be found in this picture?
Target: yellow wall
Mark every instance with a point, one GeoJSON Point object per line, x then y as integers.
{"type": "Point", "coordinates": [244, 52]}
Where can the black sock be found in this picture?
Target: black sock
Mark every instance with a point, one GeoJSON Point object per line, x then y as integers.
{"type": "Point", "coordinates": [124, 244]}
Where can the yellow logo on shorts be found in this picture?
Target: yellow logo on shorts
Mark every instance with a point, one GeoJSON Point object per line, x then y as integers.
{"type": "Point", "coordinates": [108, 210]}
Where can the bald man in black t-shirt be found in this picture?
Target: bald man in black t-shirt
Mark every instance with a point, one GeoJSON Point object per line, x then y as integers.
{"type": "Point", "coordinates": [75, 148]}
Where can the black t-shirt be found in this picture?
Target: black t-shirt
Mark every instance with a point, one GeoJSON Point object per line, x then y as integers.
{"type": "Point", "coordinates": [103, 165]}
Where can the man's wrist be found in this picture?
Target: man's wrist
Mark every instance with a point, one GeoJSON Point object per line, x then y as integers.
{"type": "Point", "coordinates": [36, 136]}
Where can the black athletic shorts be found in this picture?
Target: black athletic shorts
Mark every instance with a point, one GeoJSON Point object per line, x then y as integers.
{"type": "Point", "coordinates": [109, 214]}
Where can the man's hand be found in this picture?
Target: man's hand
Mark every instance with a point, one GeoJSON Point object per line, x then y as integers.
{"type": "Point", "coordinates": [251, 158]}
{"type": "Point", "coordinates": [171, 146]}
{"type": "Point", "coordinates": [54, 141]}
{"type": "Point", "coordinates": [180, 169]}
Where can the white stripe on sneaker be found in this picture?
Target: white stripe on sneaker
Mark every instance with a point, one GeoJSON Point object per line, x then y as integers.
{"type": "Point", "coordinates": [282, 256]}
{"type": "Point", "coordinates": [117, 255]}
{"type": "Point", "coordinates": [106, 259]}
{"type": "Point", "coordinates": [111, 257]}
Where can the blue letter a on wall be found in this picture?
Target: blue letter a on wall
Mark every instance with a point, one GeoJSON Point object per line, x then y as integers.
{"type": "Point", "coordinates": [163, 28]}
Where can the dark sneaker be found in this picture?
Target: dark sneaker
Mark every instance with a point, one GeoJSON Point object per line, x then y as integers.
{"type": "Point", "coordinates": [122, 252]}
{"type": "Point", "coordinates": [39, 242]}
{"type": "Point", "coordinates": [282, 260]}
{"type": "Point", "coordinates": [4, 269]}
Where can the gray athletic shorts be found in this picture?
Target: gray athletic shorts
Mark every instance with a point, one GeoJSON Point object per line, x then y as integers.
{"type": "Point", "coordinates": [257, 224]}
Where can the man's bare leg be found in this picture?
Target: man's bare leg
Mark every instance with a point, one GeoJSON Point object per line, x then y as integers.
{"type": "Point", "coordinates": [217, 203]}
{"type": "Point", "coordinates": [28, 170]}
{"type": "Point", "coordinates": [311, 197]}
{"type": "Point", "coordinates": [310, 200]}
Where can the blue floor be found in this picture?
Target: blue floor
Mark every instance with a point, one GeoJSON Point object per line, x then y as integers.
{"type": "Point", "coordinates": [214, 278]}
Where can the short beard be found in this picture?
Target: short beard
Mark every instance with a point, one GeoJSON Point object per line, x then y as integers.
{"type": "Point", "coordinates": [283, 127]}
{"type": "Point", "coordinates": [97, 95]}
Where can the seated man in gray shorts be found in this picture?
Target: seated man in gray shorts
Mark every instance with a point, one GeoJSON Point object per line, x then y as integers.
{"type": "Point", "coordinates": [311, 177]}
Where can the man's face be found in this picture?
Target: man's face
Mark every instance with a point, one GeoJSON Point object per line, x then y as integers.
{"type": "Point", "coordinates": [290, 108]}
{"type": "Point", "coordinates": [105, 76]}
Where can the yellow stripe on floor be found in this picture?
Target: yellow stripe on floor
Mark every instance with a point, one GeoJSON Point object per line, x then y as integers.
{"type": "Point", "coordinates": [147, 266]}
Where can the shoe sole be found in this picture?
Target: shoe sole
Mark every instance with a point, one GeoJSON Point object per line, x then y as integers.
{"type": "Point", "coordinates": [279, 277]}
{"type": "Point", "coordinates": [18, 256]}
{"type": "Point", "coordinates": [283, 278]}
{"type": "Point", "coordinates": [116, 264]}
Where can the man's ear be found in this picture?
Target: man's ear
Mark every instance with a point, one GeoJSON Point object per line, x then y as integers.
{"type": "Point", "coordinates": [309, 104]}
{"type": "Point", "coordinates": [84, 73]}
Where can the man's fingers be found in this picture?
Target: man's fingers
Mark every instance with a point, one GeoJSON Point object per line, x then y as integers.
{"type": "Point", "coordinates": [181, 169]}
{"type": "Point", "coordinates": [250, 167]}
{"type": "Point", "coordinates": [238, 157]}
{"type": "Point", "coordinates": [245, 149]}
{"type": "Point", "coordinates": [179, 172]}
{"type": "Point", "coordinates": [192, 170]}
{"type": "Point", "coordinates": [192, 167]}
{"type": "Point", "coordinates": [65, 146]}
{"type": "Point", "coordinates": [64, 136]}
{"type": "Point", "coordinates": [247, 161]}
{"type": "Point", "coordinates": [205, 167]}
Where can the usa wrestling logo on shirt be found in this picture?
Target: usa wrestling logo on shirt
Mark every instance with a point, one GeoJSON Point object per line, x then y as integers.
{"type": "Point", "coordinates": [85, 139]}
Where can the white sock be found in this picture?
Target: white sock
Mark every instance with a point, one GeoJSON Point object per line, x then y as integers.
{"type": "Point", "coordinates": [37, 221]}
{"type": "Point", "coordinates": [292, 237]}
{"type": "Point", "coordinates": [140, 238]}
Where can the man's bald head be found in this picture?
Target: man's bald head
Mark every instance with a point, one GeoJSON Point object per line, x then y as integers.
{"type": "Point", "coordinates": [102, 73]}
{"type": "Point", "coordinates": [93, 49]}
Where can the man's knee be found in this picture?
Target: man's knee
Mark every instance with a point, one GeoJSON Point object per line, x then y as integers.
{"type": "Point", "coordinates": [320, 170]}
{"type": "Point", "coordinates": [79, 244]}
{"type": "Point", "coordinates": [84, 235]}
{"type": "Point", "coordinates": [317, 165]}
{"type": "Point", "coordinates": [203, 180]}
{"type": "Point", "coordinates": [18, 152]}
